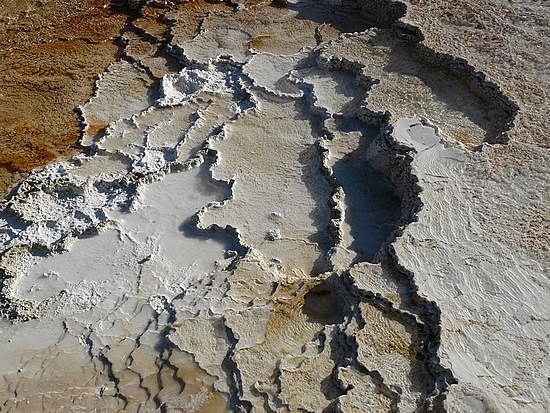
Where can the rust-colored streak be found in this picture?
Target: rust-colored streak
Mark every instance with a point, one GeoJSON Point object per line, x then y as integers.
{"type": "Point", "coordinates": [49, 59]}
{"type": "Point", "coordinates": [261, 42]}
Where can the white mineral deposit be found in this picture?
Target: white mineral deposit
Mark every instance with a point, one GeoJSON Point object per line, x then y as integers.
{"type": "Point", "coordinates": [302, 206]}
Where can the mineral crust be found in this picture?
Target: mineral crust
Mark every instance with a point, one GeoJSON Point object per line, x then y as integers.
{"type": "Point", "coordinates": [317, 206]}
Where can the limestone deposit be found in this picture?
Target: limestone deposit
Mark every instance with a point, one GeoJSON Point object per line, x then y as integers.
{"type": "Point", "coordinates": [311, 206]}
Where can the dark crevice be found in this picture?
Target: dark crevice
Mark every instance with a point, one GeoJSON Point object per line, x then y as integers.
{"type": "Point", "coordinates": [430, 315]}
{"type": "Point", "coordinates": [233, 375]}
{"type": "Point", "coordinates": [372, 206]}
{"type": "Point", "coordinates": [108, 365]}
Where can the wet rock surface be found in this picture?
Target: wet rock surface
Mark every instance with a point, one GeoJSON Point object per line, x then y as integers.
{"type": "Point", "coordinates": [296, 208]}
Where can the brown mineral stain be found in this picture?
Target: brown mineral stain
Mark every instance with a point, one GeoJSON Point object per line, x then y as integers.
{"type": "Point", "coordinates": [387, 334]}
{"type": "Point", "coordinates": [152, 21]}
{"type": "Point", "coordinates": [49, 59]}
{"type": "Point", "coordinates": [51, 52]}
{"type": "Point", "coordinates": [289, 324]}
{"type": "Point", "coordinates": [461, 134]}
{"type": "Point", "coordinates": [260, 42]}
{"type": "Point", "coordinates": [198, 395]}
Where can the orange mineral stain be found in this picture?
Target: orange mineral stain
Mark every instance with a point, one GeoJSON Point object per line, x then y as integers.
{"type": "Point", "coordinates": [50, 55]}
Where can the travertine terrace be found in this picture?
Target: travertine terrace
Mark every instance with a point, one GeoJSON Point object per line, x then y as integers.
{"type": "Point", "coordinates": [310, 206]}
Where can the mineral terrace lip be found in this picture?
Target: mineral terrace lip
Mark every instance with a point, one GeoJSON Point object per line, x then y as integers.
{"type": "Point", "coordinates": [273, 207]}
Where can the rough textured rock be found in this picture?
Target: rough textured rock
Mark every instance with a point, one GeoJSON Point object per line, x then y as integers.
{"type": "Point", "coordinates": [301, 208]}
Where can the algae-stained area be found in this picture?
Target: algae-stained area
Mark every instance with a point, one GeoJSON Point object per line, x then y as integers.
{"type": "Point", "coordinates": [310, 206]}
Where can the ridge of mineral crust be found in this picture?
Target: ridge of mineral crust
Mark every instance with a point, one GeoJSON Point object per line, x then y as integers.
{"type": "Point", "coordinates": [305, 208]}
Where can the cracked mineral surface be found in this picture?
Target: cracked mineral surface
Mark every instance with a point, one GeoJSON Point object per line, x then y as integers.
{"type": "Point", "coordinates": [303, 205]}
